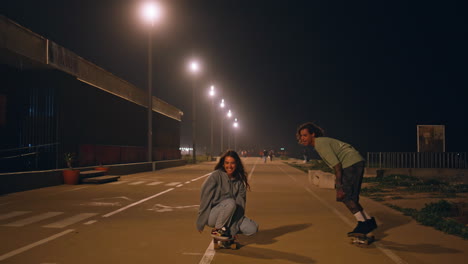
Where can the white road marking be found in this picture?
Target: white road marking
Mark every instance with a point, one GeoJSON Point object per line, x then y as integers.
{"type": "Point", "coordinates": [136, 183]}
{"type": "Point", "coordinates": [172, 183]}
{"type": "Point", "coordinates": [118, 197]}
{"type": "Point", "coordinates": [90, 222]}
{"type": "Point", "coordinates": [136, 203]}
{"type": "Point", "coordinates": [165, 208]}
{"type": "Point", "coordinates": [70, 220]}
{"type": "Point", "coordinates": [201, 177]}
{"type": "Point", "coordinates": [209, 254]}
{"type": "Point", "coordinates": [33, 219]}
{"type": "Point", "coordinates": [180, 185]}
{"type": "Point", "coordinates": [101, 204]}
{"type": "Point", "coordinates": [13, 214]}
{"type": "Point", "coordinates": [252, 170]}
{"type": "Point", "coordinates": [382, 248]}
{"type": "Point", "coordinates": [35, 244]}
{"type": "Point", "coordinates": [155, 183]}
{"type": "Point", "coordinates": [118, 182]}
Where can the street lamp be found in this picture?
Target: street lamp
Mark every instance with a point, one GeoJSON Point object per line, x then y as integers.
{"type": "Point", "coordinates": [212, 93]}
{"type": "Point", "coordinates": [222, 117]}
{"type": "Point", "coordinates": [235, 125]}
{"type": "Point", "coordinates": [229, 115]}
{"type": "Point", "coordinates": [151, 12]}
{"type": "Point", "coordinates": [194, 68]}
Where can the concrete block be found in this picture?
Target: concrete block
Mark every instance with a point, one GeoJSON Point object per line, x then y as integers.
{"type": "Point", "coordinates": [322, 179]}
{"type": "Point", "coordinates": [327, 180]}
{"type": "Point", "coordinates": [313, 177]}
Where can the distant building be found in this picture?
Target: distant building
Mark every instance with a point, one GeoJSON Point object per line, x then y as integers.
{"type": "Point", "coordinates": [54, 102]}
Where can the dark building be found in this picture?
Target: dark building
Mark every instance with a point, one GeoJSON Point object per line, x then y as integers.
{"type": "Point", "coordinates": [54, 102]}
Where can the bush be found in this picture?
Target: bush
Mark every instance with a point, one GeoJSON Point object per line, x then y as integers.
{"type": "Point", "coordinates": [437, 215]}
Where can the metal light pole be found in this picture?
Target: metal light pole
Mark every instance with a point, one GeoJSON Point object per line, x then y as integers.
{"type": "Point", "coordinates": [235, 125]}
{"type": "Point", "coordinates": [151, 12]}
{"type": "Point", "coordinates": [212, 93]}
{"type": "Point", "coordinates": [229, 114]}
{"type": "Point", "coordinates": [194, 68]}
{"type": "Point", "coordinates": [150, 101]}
{"type": "Point", "coordinates": [222, 118]}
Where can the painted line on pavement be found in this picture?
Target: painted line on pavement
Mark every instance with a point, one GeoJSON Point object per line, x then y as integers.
{"type": "Point", "coordinates": [71, 220]}
{"type": "Point", "coordinates": [148, 198]}
{"type": "Point", "coordinates": [136, 203]}
{"type": "Point", "coordinates": [13, 214]}
{"type": "Point", "coordinates": [33, 219]}
{"type": "Point", "coordinates": [252, 170]}
{"type": "Point", "coordinates": [209, 254]}
{"type": "Point", "coordinates": [201, 177]}
{"type": "Point", "coordinates": [379, 246]}
{"type": "Point", "coordinates": [35, 244]}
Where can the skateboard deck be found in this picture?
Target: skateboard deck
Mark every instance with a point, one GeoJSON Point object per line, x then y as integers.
{"type": "Point", "coordinates": [359, 239]}
{"type": "Point", "coordinates": [225, 243]}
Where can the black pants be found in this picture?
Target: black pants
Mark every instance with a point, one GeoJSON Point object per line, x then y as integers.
{"type": "Point", "coordinates": [352, 180]}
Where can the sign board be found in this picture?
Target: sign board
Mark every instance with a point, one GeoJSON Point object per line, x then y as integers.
{"type": "Point", "coordinates": [431, 138]}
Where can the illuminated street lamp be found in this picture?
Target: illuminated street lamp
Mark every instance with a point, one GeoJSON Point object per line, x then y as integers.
{"type": "Point", "coordinates": [212, 94]}
{"type": "Point", "coordinates": [222, 117]}
{"type": "Point", "coordinates": [229, 115]}
{"type": "Point", "coordinates": [151, 13]}
{"type": "Point", "coordinates": [235, 126]}
{"type": "Point", "coordinates": [194, 68]}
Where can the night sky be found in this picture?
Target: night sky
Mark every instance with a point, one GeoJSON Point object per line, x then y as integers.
{"type": "Point", "coordinates": [368, 72]}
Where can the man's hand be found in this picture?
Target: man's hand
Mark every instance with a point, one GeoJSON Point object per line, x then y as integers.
{"type": "Point", "coordinates": [340, 194]}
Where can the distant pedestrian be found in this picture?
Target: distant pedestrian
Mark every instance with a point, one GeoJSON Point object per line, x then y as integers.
{"type": "Point", "coordinates": [271, 154]}
{"type": "Point", "coordinates": [223, 199]}
{"type": "Point", "coordinates": [348, 165]}
{"type": "Point", "coordinates": [265, 155]}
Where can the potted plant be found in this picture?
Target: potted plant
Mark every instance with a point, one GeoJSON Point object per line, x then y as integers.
{"type": "Point", "coordinates": [102, 168]}
{"type": "Point", "coordinates": [70, 176]}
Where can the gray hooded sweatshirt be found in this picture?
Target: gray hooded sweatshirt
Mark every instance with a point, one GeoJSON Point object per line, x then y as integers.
{"type": "Point", "coordinates": [216, 188]}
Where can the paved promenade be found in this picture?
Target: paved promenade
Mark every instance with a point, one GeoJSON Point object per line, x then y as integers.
{"type": "Point", "coordinates": [150, 218]}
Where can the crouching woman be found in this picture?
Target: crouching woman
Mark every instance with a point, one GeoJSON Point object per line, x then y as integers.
{"type": "Point", "coordinates": [223, 199]}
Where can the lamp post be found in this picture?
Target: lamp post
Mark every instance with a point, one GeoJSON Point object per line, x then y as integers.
{"type": "Point", "coordinates": [194, 68]}
{"type": "Point", "coordinates": [212, 93]}
{"type": "Point", "coordinates": [235, 125]}
{"type": "Point", "coordinates": [229, 115]}
{"type": "Point", "coordinates": [151, 12]}
{"type": "Point", "coordinates": [222, 117]}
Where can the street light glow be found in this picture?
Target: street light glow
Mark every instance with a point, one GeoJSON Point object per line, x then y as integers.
{"type": "Point", "coordinates": [194, 66]}
{"type": "Point", "coordinates": [229, 114]}
{"type": "Point", "coordinates": [235, 123]}
{"type": "Point", "coordinates": [151, 12]}
{"type": "Point", "coordinates": [222, 103]}
{"type": "Point", "coordinates": [212, 92]}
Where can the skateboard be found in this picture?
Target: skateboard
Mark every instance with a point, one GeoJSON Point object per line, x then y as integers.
{"type": "Point", "coordinates": [359, 239]}
{"type": "Point", "coordinates": [225, 243]}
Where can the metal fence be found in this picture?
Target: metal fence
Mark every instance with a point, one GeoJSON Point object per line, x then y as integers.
{"type": "Point", "coordinates": [442, 160]}
{"type": "Point", "coordinates": [37, 157]}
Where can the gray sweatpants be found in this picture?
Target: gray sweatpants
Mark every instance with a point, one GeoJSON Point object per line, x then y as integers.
{"type": "Point", "coordinates": [222, 213]}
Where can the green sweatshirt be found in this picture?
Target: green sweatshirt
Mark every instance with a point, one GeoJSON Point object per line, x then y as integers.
{"type": "Point", "coordinates": [216, 188]}
{"type": "Point", "coordinates": [333, 151]}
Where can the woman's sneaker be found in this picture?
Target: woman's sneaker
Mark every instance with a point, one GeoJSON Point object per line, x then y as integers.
{"type": "Point", "coordinates": [221, 234]}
